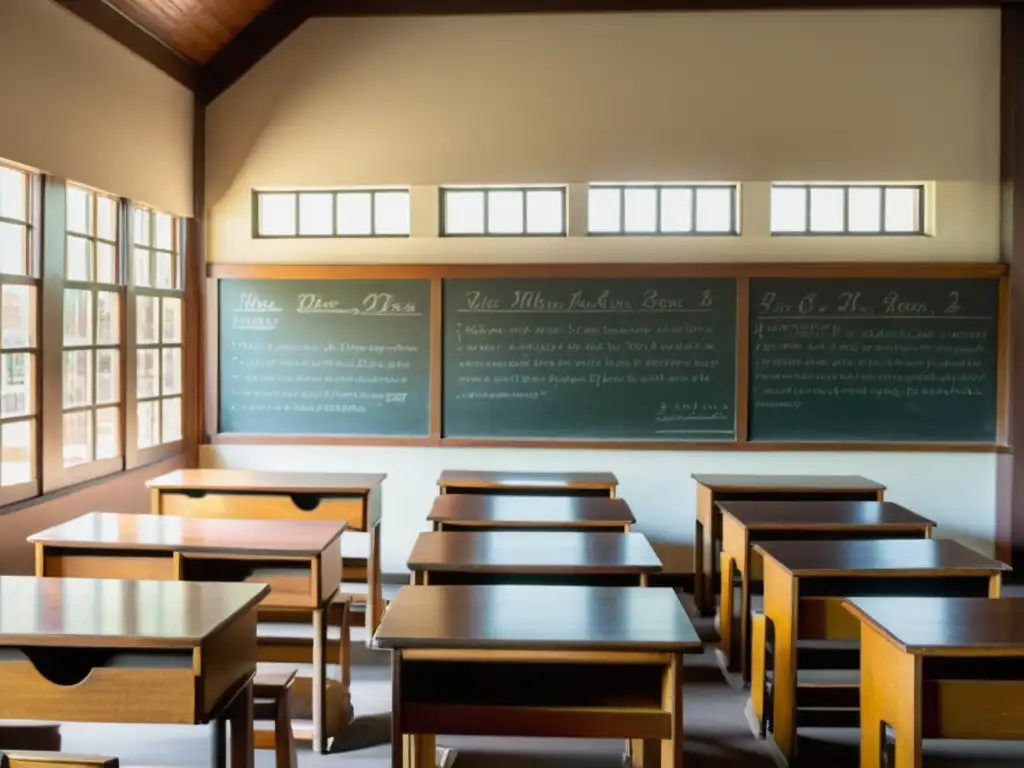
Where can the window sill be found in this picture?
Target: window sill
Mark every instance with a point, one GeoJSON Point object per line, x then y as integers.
{"type": "Point", "coordinates": [144, 456]}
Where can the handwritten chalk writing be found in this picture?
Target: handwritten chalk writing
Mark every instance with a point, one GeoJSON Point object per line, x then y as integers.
{"type": "Point", "coordinates": [253, 302]}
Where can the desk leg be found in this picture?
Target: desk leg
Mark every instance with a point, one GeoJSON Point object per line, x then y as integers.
{"type": "Point", "coordinates": [240, 717]}
{"type": "Point", "coordinates": [890, 695]}
{"type": "Point", "coordinates": [727, 612]}
{"type": "Point", "coordinates": [698, 569]}
{"type": "Point", "coordinates": [780, 601]}
{"type": "Point", "coordinates": [319, 680]}
{"type": "Point", "coordinates": [219, 743]}
{"type": "Point", "coordinates": [672, 701]}
{"type": "Point", "coordinates": [374, 588]}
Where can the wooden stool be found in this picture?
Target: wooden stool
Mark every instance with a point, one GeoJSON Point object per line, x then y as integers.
{"type": "Point", "coordinates": [26, 735]}
{"type": "Point", "coordinates": [54, 760]}
{"type": "Point", "coordinates": [270, 693]}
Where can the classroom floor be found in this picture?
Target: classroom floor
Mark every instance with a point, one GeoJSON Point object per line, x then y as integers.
{"type": "Point", "coordinates": [716, 734]}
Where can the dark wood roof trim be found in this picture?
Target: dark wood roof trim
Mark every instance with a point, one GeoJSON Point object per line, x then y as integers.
{"type": "Point", "coordinates": [474, 7]}
{"type": "Point", "coordinates": [112, 22]}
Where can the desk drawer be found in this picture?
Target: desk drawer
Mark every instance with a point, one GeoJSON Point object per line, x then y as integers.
{"type": "Point", "coordinates": [98, 685]}
{"type": "Point", "coordinates": [291, 582]}
{"type": "Point", "coordinates": [265, 506]}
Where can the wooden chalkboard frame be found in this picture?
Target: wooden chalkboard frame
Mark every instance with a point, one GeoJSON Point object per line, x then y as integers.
{"type": "Point", "coordinates": [742, 272]}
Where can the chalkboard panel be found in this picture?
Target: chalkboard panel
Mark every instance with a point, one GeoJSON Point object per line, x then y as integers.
{"type": "Point", "coordinates": [605, 359]}
{"type": "Point", "coordinates": [338, 357]}
{"type": "Point", "coordinates": [873, 359]}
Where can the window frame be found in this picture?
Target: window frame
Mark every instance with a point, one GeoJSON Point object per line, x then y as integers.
{"type": "Point", "coordinates": [257, 194]}
{"type": "Point", "coordinates": [693, 187]}
{"type": "Point", "coordinates": [487, 191]}
{"type": "Point", "coordinates": [920, 229]}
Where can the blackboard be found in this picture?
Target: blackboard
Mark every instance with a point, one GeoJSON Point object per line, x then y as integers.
{"type": "Point", "coordinates": [873, 359]}
{"type": "Point", "coordinates": [337, 357]}
{"type": "Point", "coordinates": [589, 358]}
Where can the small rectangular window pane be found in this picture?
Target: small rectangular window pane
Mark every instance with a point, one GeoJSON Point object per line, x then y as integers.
{"type": "Point", "coordinates": [391, 213]}
{"type": "Point", "coordinates": [545, 212]}
{"type": "Point", "coordinates": [505, 212]}
{"type": "Point", "coordinates": [18, 312]}
{"type": "Point", "coordinates": [108, 433]}
{"type": "Point", "coordinates": [789, 209]}
{"type": "Point", "coordinates": [316, 214]}
{"type": "Point", "coordinates": [147, 373]}
{"type": "Point", "coordinates": [463, 212]}
{"type": "Point", "coordinates": [108, 318]}
{"type": "Point", "coordinates": [641, 210]}
{"type": "Point", "coordinates": [141, 222]}
{"type": "Point", "coordinates": [171, 418]}
{"type": "Point", "coordinates": [902, 209]}
{"type": "Point", "coordinates": [277, 214]}
{"type": "Point", "coordinates": [676, 210]}
{"type": "Point", "coordinates": [865, 209]}
{"type": "Point", "coordinates": [78, 330]}
{"type": "Point", "coordinates": [78, 259]}
{"type": "Point", "coordinates": [78, 378]}
{"type": "Point", "coordinates": [354, 213]}
{"type": "Point", "coordinates": [171, 371]}
{"type": "Point", "coordinates": [165, 272]}
{"type": "Point", "coordinates": [164, 231]}
{"type": "Point", "coordinates": [827, 208]}
{"type": "Point", "coordinates": [108, 376]}
{"type": "Point", "coordinates": [106, 218]}
{"type": "Point", "coordinates": [17, 441]}
{"type": "Point", "coordinates": [106, 263]}
{"type": "Point", "coordinates": [604, 210]}
{"type": "Point", "coordinates": [13, 249]}
{"type": "Point", "coordinates": [714, 210]}
{"type": "Point", "coordinates": [79, 211]}
{"type": "Point", "coordinates": [13, 194]}
{"type": "Point", "coordinates": [171, 325]}
{"type": "Point", "coordinates": [142, 267]}
{"type": "Point", "coordinates": [146, 320]}
{"type": "Point", "coordinates": [17, 385]}
{"type": "Point", "coordinates": [77, 442]}
{"type": "Point", "coordinates": [148, 423]}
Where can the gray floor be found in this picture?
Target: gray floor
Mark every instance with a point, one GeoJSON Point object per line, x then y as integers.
{"type": "Point", "coordinates": [716, 735]}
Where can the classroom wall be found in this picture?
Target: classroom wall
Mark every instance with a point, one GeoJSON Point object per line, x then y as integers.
{"type": "Point", "coordinates": [747, 97]}
{"type": "Point", "coordinates": [77, 104]}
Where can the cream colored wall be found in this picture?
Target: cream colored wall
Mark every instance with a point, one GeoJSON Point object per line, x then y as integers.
{"type": "Point", "coordinates": [77, 104]}
{"type": "Point", "coordinates": [747, 97]}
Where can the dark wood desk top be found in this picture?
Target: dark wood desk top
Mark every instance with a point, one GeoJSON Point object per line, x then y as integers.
{"type": "Point", "coordinates": [243, 480]}
{"type": "Point", "coordinates": [940, 626]}
{"type": "Point", "coordinates": [85, 613]}
{"type": "Point", "coordinates": [793, 483]}
{"type": "Point", "coordinates": [533, 552]}
{"type": "Point", "coordinates": [535, 511]}
{"type": "Point", "coordinates": [818, 515]}
{"type": "Point", "coordinates": [538, 618]}
{"type": "Point", "coordinates": [109, 530]}
{"type": "Point", "coordinates": [465, 478]}
{"type": "Point", "coordinates": [877, 557]}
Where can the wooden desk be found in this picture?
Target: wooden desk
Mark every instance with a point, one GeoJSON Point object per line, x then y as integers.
{"type": "Point", "coordinates": [936, 668]}
{"type": "Point", "coordinates": [537, 661]}
{"type": "Point", "coordinates": [109, 651]}
{"type": "Point", "coordinates": [532, 557]}
{"type": "Point", "coordinates": [299, 561]}
{"type": "Point", "coordinates": [750, 522]}
{"type": "Point", "coordinates": [473, 512]}
{"type": "Point", "coordinates": [349, 498]}
{"type": "Point", "coordinates": [528, 483]}
{"type": "Point", "coordinates": [805, 584]}
{"type": "Point", "coordinates": [711, 489]}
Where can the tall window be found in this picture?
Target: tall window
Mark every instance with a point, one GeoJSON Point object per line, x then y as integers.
{"type": "Point", "coordinates": [159, 297]}
{"type": "Point", "coordinates": [19, 349]}
{"type": "Point", "coordinates": [92, 329]}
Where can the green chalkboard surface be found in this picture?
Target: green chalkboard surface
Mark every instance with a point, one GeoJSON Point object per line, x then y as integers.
{"type": "Point", "coordinates": [338, 357]}
{"type": "Point", "coordinates": [586, 358]}
{"type": "Point", "coordinates": [873, 359]}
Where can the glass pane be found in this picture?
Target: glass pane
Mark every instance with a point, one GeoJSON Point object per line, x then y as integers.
{"type": "Point", "coordinates": [164, 231]}
{"type": "Point", "coordinates": [545, 212]}
{"type": "Point", "coordinates": [714, 210]}
{"type": "Point", "coordinates": [391, 213]}
{"type": "Point", "coordinates": [78, 260]}
{"type": "Point", "coordinates": [140, 226]}
{"type": "Point", "coordinates": [147, 373]}
{"type": "Point", "coordinates": [604, 210]}
{"type": "Point", "coordinates": [142, 273]}
{"type": "Point", "coordinates": [865, 209]}
{"type": "Point", "coordinates": [106, 218]}
{"type": "Point", "coordinates": [277, 214]}
{"type": "Point", "coordinates": [77, 441]}
{"type": "Point", "coordinates": [78, 378]}
{"type": "Point", "coordinates": [108, 376]}
{"type": "Point", "coordinates": [108, 318]}
{"type": "Point", "coordinates": [17, 444]}
{"type": "Point", "coordinates": [827, 208]}
{"type": "Point", "coordinates": [13, 194]}
{"type": "Point", "coordinates": [77, 317]}
{"type": "Point", "coordinates": [18, 311]}
{"type": "Point", "coordinates": [172, 321]}
{"type": "Point", "coordinates": [463, 212]}
{"type": "Point", "coordinates": [165, 277]}
{"type": "Point", "coordinates": [902, 210]}
{"type": "Point", "coordinates": [789, 209]}
{"type": "Point", "coordinates": [641, 210]}
{"type": "Point", "coordinates": [676, 210]}
{"type": "Point", "coordinates": [316, 213]}
{"type": "Point", "coordinates": [171, 371]}
{"type": "Point", "coordinates": [17, 384]}
{"type": "Point", "coordinates": [106, 263]}
{"type": "Point", "coordinates": [13, 249]}
{"type": "Point", "coordinates": [149, 423]}
{"type": "Point", "coordinates": [146, 319]}
{"type": "Point", "coordinates": [172, 419]}
{"type": "Point", "coordinates": [505, 212]}
{"type": "Point", "coordinates": [79, 213]}
{"type": "Point", "coordinates": [354, 213]}
{"type": "Point", "coordinates": [108, 433]}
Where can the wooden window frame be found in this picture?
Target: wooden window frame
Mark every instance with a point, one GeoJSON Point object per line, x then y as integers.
{"type": "Point", "coordinates": [443, 193]}
{"type": "Point", "coordinates": [694, 189]}
{"type": "Point", "coordinates": [257, 194]}
{"type": "Point", "coordinates": [920, 229]}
